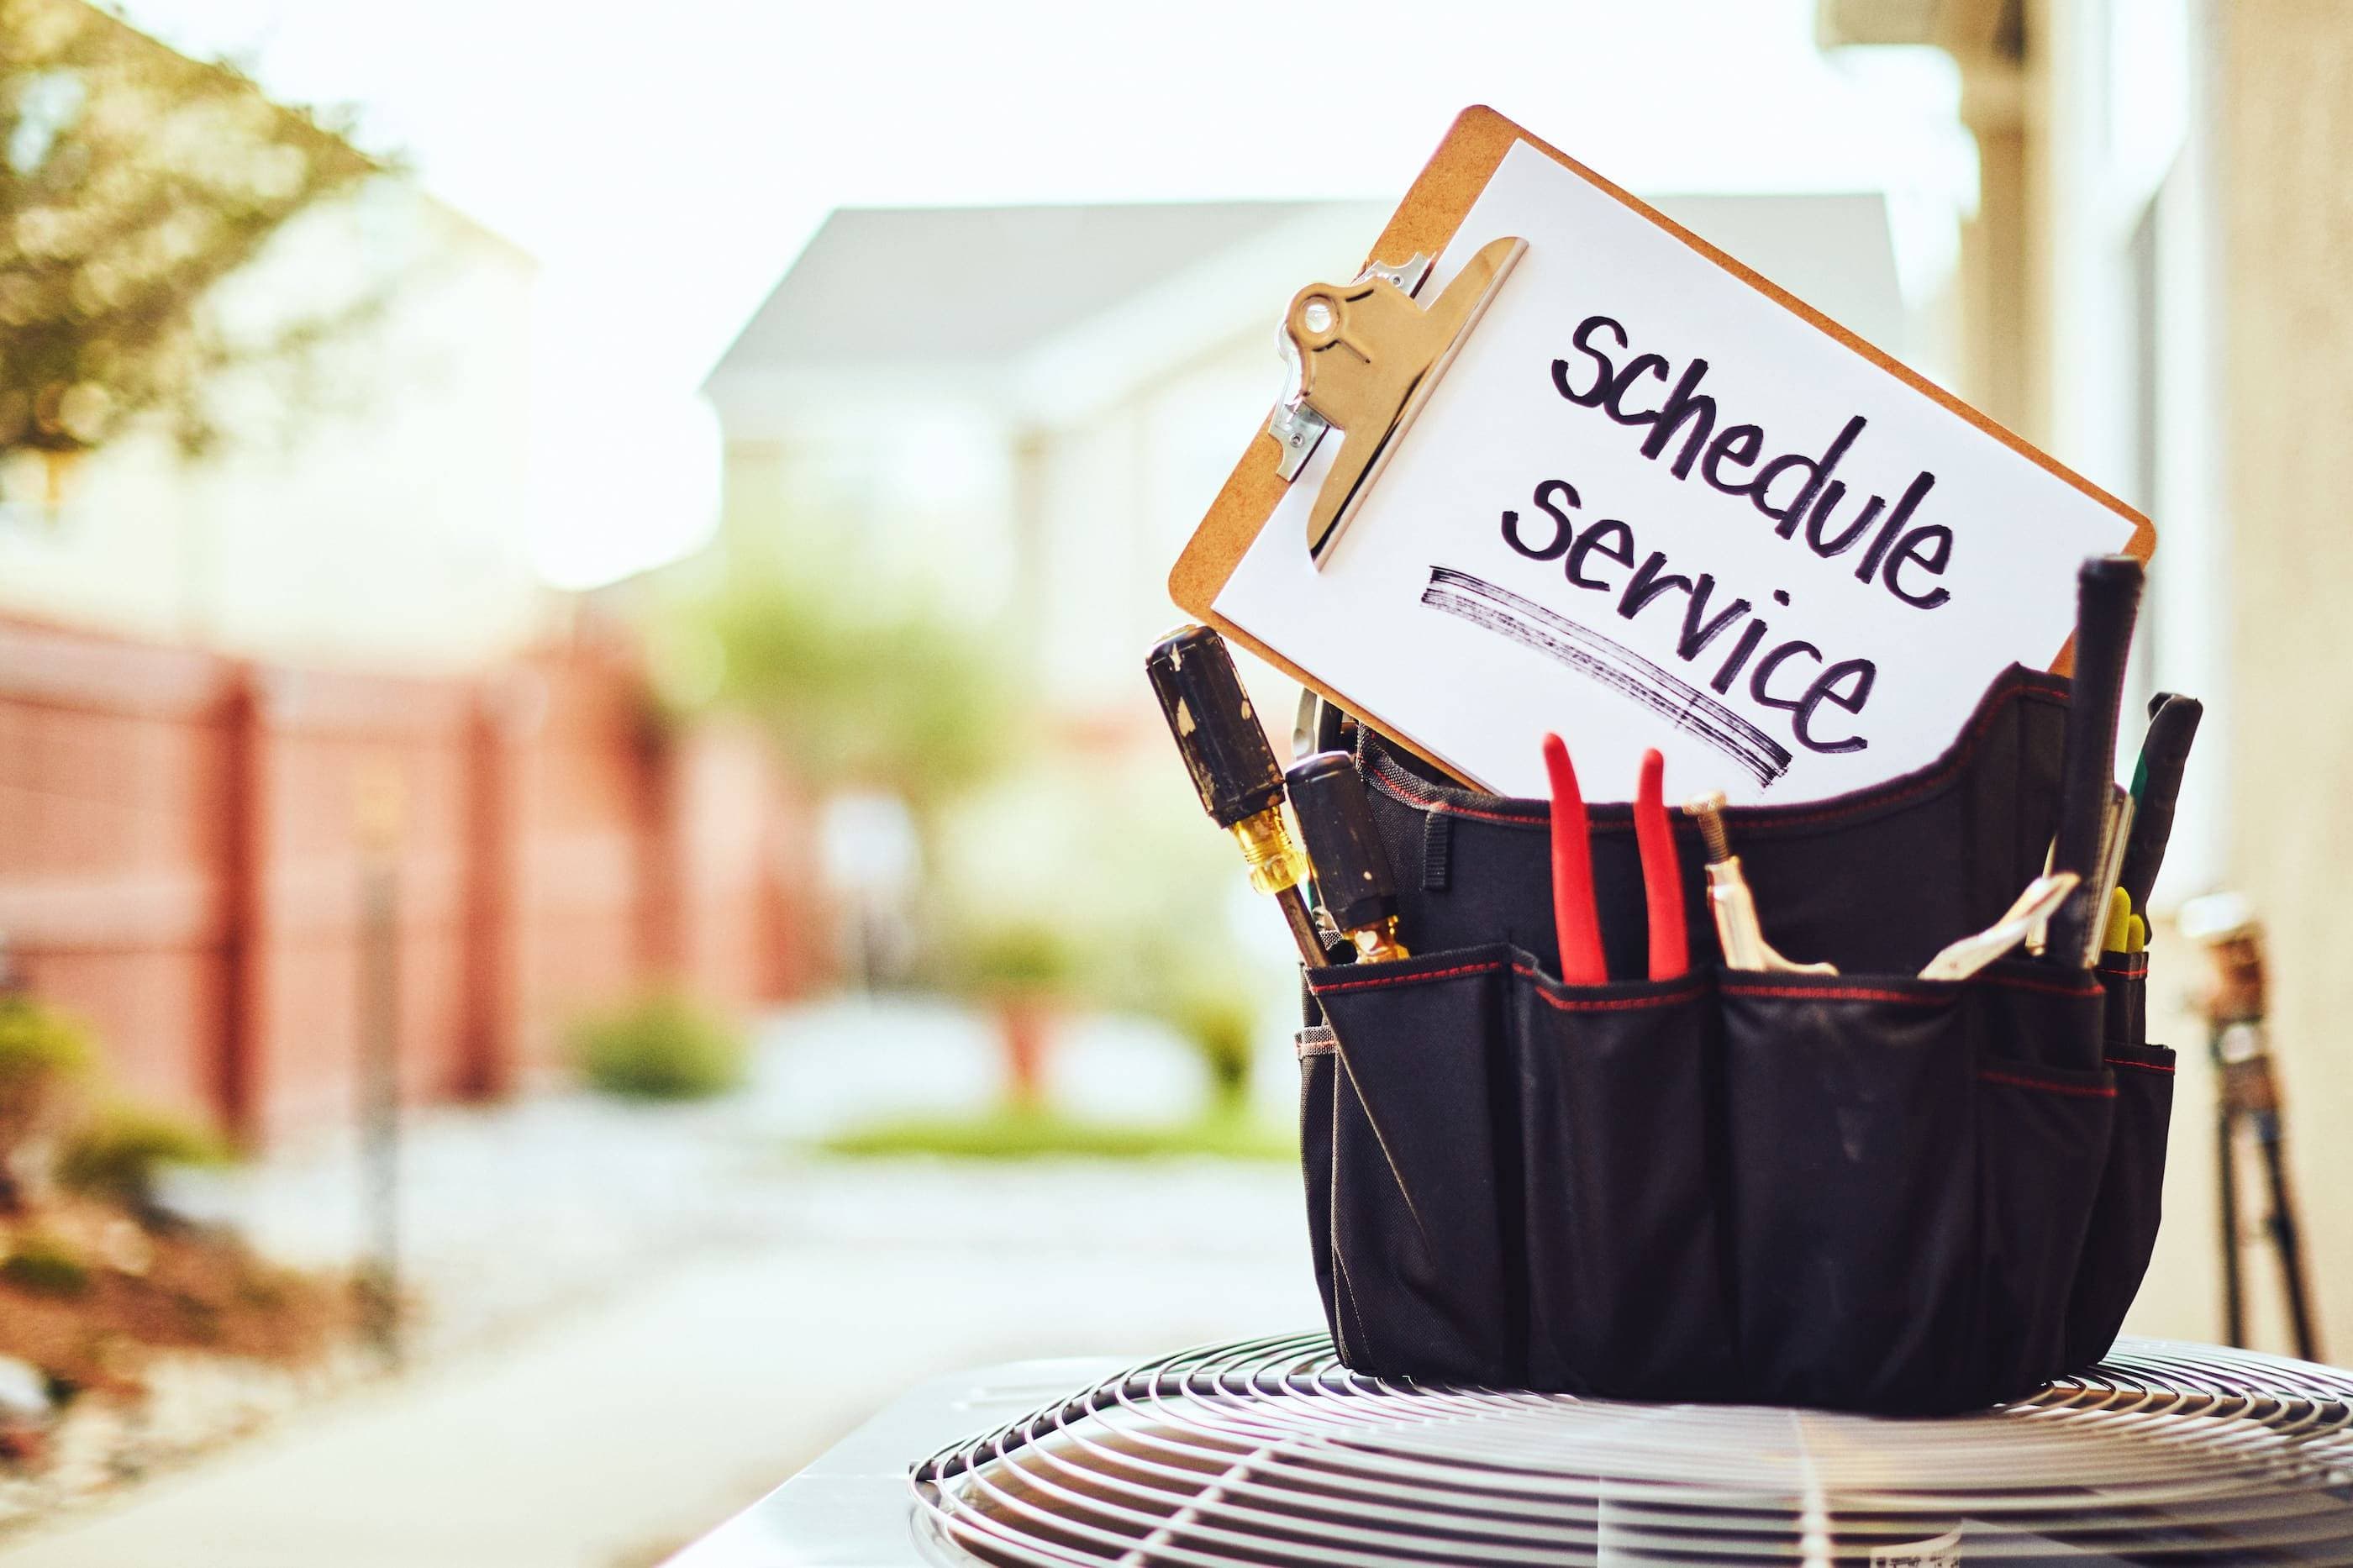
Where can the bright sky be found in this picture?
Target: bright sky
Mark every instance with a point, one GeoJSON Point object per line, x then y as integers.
{"type": "Point", "coordinates": [665, 163]}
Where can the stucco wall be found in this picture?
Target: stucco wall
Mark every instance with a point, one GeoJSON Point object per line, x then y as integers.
{"type": "Point", "coordinates": [2284, 80]}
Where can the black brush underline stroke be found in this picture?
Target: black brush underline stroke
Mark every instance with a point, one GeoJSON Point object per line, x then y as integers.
{"type": "Point", "coordinates": [1615, 665]}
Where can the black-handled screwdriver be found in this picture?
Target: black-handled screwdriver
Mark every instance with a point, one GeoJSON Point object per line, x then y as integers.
{"type": "Point", "coordinates": [2157, 786]}
{"type": "Point", "coordinates": [1233, 768]}
{"type": "Point", "coordinates": [2108, 599]}
{"type": "Point", "coordinates": [1344, 844]}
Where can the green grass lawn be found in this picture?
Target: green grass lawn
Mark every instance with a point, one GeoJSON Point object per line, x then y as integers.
{"type": "Point", "coordinates": [1013, 1133]}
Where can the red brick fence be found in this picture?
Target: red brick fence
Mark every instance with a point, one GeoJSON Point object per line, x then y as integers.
{"type": "Point", "coordinates": [184, 843]}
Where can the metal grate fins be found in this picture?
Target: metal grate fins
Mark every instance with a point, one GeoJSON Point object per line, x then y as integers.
{"type": "Point", "coordinates": [1269, 1452]}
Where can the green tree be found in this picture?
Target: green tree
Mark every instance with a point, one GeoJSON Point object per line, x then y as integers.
{"type": "Point", "coordinates": [132, 180]}
{"type": "Point", "coordinates": [861, 685]}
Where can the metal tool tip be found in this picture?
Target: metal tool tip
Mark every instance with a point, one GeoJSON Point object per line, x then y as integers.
{"type": "Point", "coordinates": [1708, 809]}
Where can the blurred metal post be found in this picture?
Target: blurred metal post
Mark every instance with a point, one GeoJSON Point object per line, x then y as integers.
{"type": "Point", "coordinates": [378, 812]}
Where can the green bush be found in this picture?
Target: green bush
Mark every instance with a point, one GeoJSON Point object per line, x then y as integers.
{"type": "Point", "coordinates": [120, 1152]}
{"type": "Point", "coordinates": [1220, 1024]}
{"type": "Point", "coordinates": [1015, 958]}
{"type": "Point", "coordinates": [40, 1043]}
{"type": "Point", "coordinates": [661, 1047]}
{"type": "Point", "coordinates": [1016, 1133]}
{"type": "Point", "coordinates": [45, 1057]}
{"type": "Point", "coordinates": [45, 1266]}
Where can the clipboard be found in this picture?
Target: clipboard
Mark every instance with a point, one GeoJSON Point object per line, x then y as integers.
{"type": "Point", "coordinates": [1424, 223]}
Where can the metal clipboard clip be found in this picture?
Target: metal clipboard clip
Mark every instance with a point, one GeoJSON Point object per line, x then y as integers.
{"type": "Point", "coordinates": [1364, 357]}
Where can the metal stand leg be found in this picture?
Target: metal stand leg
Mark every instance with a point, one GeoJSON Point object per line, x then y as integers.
{"type": "Point", "coordinates": [2226, 1169]}
{"type": "Point", "coordinates": [2286, 1240]}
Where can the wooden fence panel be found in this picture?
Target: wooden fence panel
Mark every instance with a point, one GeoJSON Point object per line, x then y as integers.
{"type": "Point", "coordinates": [186, 843]}
{"type": "Point", "coordinates": [112, 775]}
{"type": "Point", "coordinates": [586, 779]}
{"type": "Point", "coordinates": [334, 748]}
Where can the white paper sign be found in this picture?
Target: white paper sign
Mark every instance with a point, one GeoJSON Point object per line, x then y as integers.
{"type": "Point", "coordinates": [1649, 506]}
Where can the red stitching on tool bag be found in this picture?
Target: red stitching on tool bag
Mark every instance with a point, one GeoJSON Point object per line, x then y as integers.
{"type": "Point", "coordinates": [1409, 979]}
{"type": "Point", "coordinates": [1840, 994]}
{"type": "Point", "coordinates": [1440, 808]}
{"type": "Point", "coordinates": [1602, 1003]}
{"type": "Point", "coordinates": [2138, 1067]}
{"type": "Point", "coordinates": [1610, 1004]}
{"type": "Point", "coordinates": [2019, 982]}
{"type": "Point", "coordinates": [2085, 1091]}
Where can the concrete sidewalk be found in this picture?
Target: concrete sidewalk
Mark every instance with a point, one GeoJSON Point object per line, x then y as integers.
{"type": "Point", "coordinates": [644, 1320]}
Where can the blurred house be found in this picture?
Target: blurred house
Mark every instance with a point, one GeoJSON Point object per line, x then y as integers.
{"type": "Point", "coordinates": [1029, 408]}
{"type": "Point", "coordinates": [2158, 285]}
{"type": "Point", "coordinates": [375, 512]}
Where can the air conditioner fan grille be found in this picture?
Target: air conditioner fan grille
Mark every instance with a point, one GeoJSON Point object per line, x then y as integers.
{"type": "Point", "coordinates": [1269, 1452]}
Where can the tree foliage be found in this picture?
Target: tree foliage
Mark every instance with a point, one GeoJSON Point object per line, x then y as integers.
{"type": "Point", "coordinates": [132, 180]}
{"type": "Point", "coordinates": [862, 684]}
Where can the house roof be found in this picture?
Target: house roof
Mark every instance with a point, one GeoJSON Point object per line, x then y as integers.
{"type": "Point", "coordinates": [976, 286]}
{"type": "Point", "coordinates": [1005, 301]}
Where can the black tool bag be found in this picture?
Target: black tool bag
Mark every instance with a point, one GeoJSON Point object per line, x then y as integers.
{"type": "Point", "coordinates": [1864, 1191]}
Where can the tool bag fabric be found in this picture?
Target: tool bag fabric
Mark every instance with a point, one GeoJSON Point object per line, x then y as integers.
{"type": "Point", "coordinates": [1864, 1191]}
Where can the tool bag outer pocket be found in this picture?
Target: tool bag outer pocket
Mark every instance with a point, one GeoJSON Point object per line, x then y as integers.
{"type": "Point", "coordinates": [2125, 1215]}
{"type": "Point", "coordinates": [1625, 1285]}
{"type": "Point", "coordinates": [1909, 1183]}
{"type": "Point", "coordinates": [1422, 1174]}
{"type": "Point", "coordinates": [1319, 1066]}
{"type": "Point", "coordinates": [2046, 1130]}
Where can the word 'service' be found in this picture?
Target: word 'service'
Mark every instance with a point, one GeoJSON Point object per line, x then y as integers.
{"type": "Point", "coordinates": [1846, 684]}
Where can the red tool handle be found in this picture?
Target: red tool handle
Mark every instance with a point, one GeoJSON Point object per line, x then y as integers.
{"type": "Point", "coordinates": [1662, 872]}
{"type": "Point", "coordinates": [1577, 922]}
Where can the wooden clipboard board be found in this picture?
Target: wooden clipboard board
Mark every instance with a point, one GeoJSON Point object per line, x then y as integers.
{"type": "Point", "coordinates": [1423, 224]}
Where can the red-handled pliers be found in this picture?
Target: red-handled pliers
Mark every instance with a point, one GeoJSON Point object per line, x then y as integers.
{"type": "Point", "coordinates": [1576, 920]}
{"type": "Point", "coordinates": [1663, 871]}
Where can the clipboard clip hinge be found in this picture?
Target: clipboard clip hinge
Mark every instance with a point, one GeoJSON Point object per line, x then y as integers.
{"type": "Point", "coordinates": [1364, 357]}
{"type": "Point", "coordinates": [1298, 430]}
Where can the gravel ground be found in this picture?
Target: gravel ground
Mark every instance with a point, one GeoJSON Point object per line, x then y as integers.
{"type": "Point", "coordinates": [194, 1405]}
